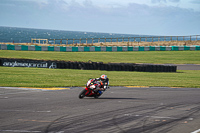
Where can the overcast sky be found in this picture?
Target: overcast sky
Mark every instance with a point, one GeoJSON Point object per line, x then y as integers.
{"type": "Point", "coordinates": [143, 17]}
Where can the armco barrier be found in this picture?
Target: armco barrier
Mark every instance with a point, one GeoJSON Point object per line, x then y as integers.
{"type": "Point", "coordinates": [97, 48]}
{"type": "Point", "coordinates": [10, 62]}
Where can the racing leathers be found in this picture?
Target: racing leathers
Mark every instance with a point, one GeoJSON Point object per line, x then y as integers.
{"type": "Point", "coordinates": [104, 84]}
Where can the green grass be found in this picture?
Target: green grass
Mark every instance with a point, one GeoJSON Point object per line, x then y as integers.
{"type": "Point", "coordinates": [40, 77]}
{"type": "Point", "coordinates": [157, 57]}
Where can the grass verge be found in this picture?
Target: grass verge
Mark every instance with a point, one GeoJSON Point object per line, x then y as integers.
{"type": "Point", "coordinates": [39, 77]}
{"type": "Point", "coordinates": [156, 57]}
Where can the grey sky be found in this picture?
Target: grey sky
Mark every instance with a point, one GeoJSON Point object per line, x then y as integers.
{"type": "Point", "coordinates": [145, 17]}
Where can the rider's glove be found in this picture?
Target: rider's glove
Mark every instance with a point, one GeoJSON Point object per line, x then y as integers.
{"type": "Point", "coordinates": [105, 87]}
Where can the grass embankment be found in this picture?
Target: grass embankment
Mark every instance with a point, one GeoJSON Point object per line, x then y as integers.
{"type": "Point", "coordinates": [156, 57]}
{"type": "Point", "coordinates": [157, 43]}
{"type": "Point", "coordinates": [39, 77]}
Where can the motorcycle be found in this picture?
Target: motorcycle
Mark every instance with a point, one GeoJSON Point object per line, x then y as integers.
{"type": "Point", "coordinates": [90, 88]}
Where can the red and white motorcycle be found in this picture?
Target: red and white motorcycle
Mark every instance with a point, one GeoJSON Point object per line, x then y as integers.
{"type": "Point", "coordinates": [90, 88]}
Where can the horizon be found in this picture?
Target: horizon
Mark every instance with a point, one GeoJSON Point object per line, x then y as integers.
{"type": "Point", "coordinates": [104, 32]}
{"type": "Point", "coordinates": [27, 35]}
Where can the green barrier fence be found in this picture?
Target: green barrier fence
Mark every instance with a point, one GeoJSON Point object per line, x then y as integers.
{"type": "Point", "coordinates": [97, 48]}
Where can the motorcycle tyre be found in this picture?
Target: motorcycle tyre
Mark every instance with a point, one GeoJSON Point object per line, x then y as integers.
{"type": "Point", "coordinates": [97, 96]}
{"type": "Point", "coordinates": [82, 94]}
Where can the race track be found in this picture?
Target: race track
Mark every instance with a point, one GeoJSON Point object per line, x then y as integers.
{"type": "Point", "coordinates": [188, 66]}
{"type": "Point", "coordinates": [118, 110]}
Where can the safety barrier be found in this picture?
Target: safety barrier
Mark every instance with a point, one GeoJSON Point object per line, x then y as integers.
{"type": "Point", "coordinates": [96, 48]}
{"type": "Point", "coordinates": [10, 62]}
{"type": "Point", "coordinates": [87, 41]}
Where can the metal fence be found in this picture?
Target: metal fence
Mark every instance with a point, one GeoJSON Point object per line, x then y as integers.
{"type": "Point", "coordinates": [111, 40]}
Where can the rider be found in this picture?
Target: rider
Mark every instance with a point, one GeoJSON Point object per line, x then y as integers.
{"type": "Point", "coordinates": [104, 82]}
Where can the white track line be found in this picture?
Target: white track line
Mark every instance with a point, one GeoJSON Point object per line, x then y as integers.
{"type": "Point", "coordinates": [39, 111]}
{"type": "Point", "coordinates": [197, 131]}
{"type": "Point", "coordinates": [20, 131]}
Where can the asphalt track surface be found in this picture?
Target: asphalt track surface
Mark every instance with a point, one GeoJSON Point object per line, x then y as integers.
{"type": "Point", "coordinates": [118, 110]}
{"type": "Point", "coordinates": [188, 66]}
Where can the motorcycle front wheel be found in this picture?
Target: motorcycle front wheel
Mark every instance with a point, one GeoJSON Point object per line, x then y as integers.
{"type": "Point", "coordinates": [82, 94]}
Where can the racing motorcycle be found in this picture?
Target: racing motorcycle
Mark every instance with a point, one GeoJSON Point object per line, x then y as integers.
{"type": "Point", "coordinates": [90, 88]}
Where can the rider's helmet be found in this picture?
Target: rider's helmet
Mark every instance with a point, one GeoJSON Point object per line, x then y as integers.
{"type": "Point", "coordinates": [103, 77]}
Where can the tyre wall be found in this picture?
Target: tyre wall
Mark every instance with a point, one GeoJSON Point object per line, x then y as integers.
{"type": "Point", "coordinates": [10, 62]}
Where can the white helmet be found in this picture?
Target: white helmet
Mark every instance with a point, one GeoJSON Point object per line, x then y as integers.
{"type": "Point", "coordinates": [103, 77]}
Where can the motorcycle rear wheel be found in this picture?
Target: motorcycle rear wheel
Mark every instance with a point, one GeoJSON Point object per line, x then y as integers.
{"type": "Point", "coordinates": [82, 94]}
{"type": "Point", "coordinates": [96, 96]}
